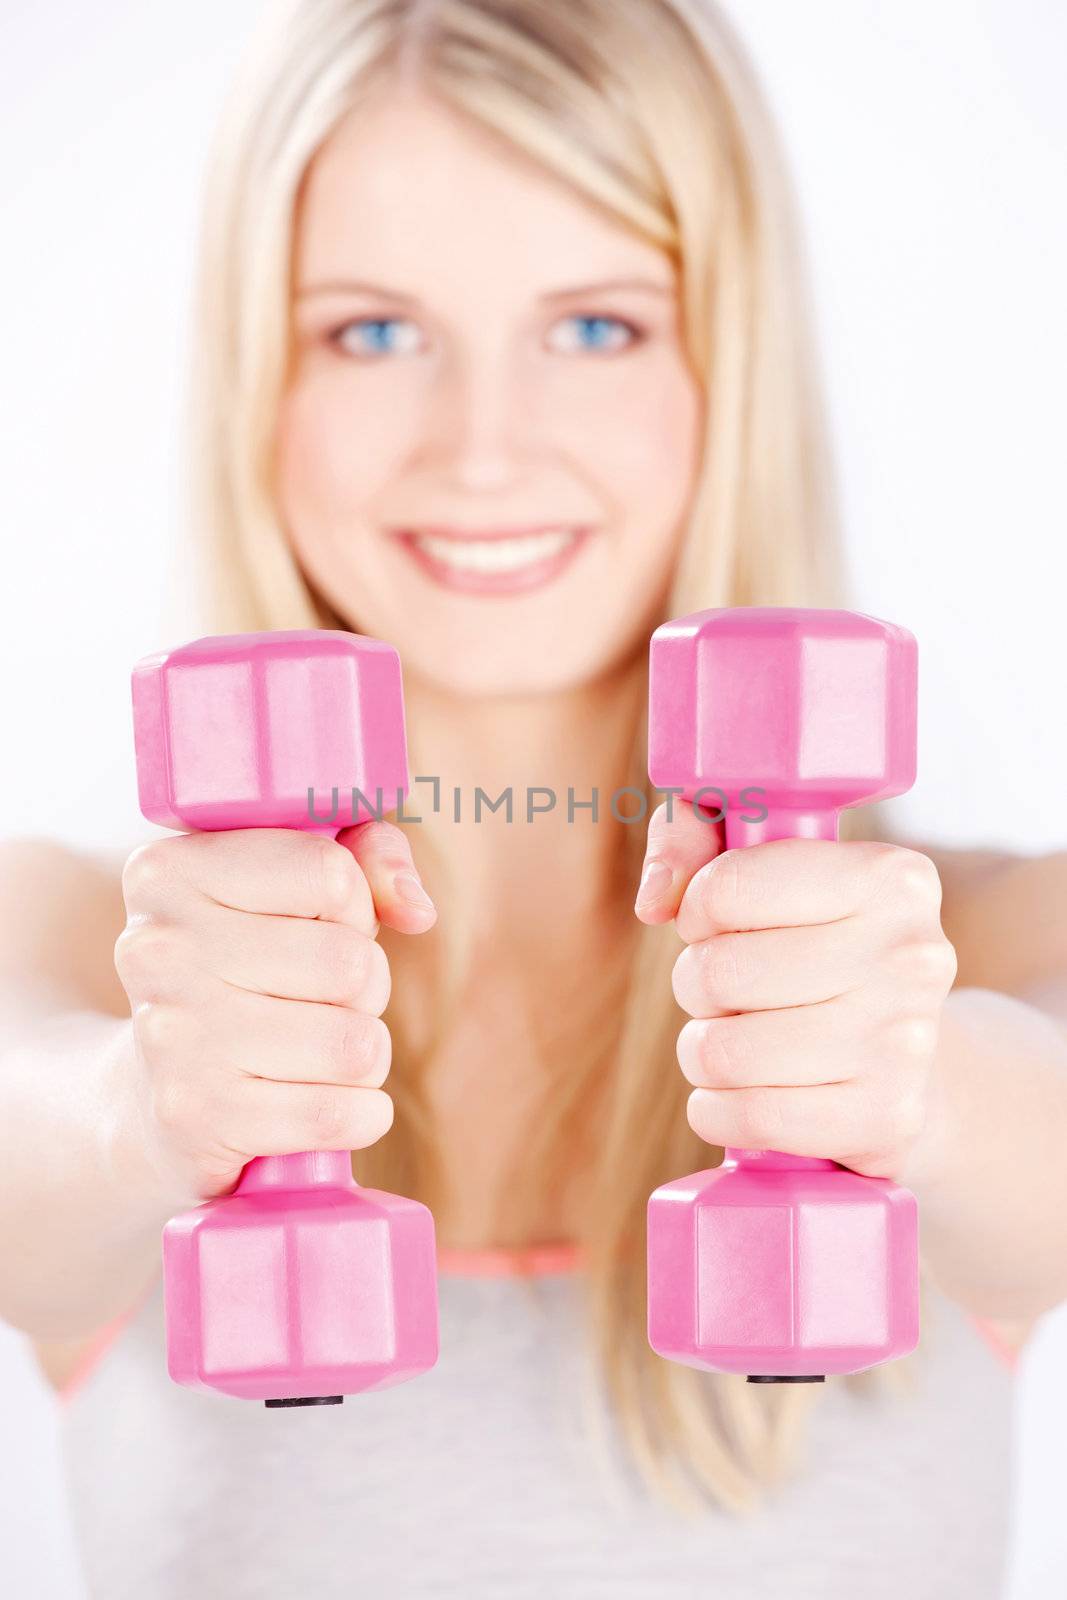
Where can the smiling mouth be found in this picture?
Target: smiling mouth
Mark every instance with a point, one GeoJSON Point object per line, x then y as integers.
{"type": "Point", "coordinates": [494, 560]}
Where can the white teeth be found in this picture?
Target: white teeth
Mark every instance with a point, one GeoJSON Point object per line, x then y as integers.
{"type": "Point", "coordinates": [495, 555]}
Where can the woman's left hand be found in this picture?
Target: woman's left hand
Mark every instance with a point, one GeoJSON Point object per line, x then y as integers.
{"type": "Point", "coordinates": [814, 973]}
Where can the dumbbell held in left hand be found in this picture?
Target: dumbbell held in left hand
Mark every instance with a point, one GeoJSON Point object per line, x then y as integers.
{"type": "Point", "coordinates": [781, 1267]}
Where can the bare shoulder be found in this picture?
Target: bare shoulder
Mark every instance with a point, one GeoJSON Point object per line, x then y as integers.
{"type": "Point", "coordinates": [1011, 878]}
{"type": "Point", "coordinates": [61, 910]}
{"type": "Point", "coordinates": [963, 870]}
{"type": "Point", "coordinates": [1002, 910]}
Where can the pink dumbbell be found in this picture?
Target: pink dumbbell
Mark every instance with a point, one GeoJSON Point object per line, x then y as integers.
{"type": "Point", "coordinates": [302, 1286]}
{"type": "Point", "coordinates": [782, 1267]}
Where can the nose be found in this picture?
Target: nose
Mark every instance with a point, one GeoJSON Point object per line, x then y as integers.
{"type": "Point", "coordinates": [481, 421]}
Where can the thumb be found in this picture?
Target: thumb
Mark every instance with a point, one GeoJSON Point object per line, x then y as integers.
{"type": "Point", "coordinates": [681, 840]}
{"type": "Point", "coordinates": [383, 852]}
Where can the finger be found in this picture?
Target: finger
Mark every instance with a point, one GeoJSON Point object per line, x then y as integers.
{"type": "Point", "coordinates": [295, 958]}
{"type": "Point", "coordinates": [270, 871]}
{"type": "Point", "coordinates": [293, 1042]}
{"type": "Point", "coordinates": [384, 855]}
{"type": "Point", "coordinates": [781, 884]}
{"type": "Point", "coordinates": [800, 1045]}
{"type": "Point", "coordinates": [280, 1118]}
{"type": "Point", "coordinates": [681, 839]}
{"type": "Point", "coordinates": [834, 1120]}
{"type": "Point", "coordinates": [766, 969]}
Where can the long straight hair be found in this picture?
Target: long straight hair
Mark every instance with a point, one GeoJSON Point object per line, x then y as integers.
{"type": "Point", "coordinates": [648, 108]}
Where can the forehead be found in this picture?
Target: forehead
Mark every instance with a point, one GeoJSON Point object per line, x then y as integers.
{"type": "Point", "coordinates": [408, 193]}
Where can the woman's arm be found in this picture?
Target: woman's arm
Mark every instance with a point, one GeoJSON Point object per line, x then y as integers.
{"type": "Point", "coordinates": [990, 1169]}
{"type": "Point", "coordinates": [80, 1210]}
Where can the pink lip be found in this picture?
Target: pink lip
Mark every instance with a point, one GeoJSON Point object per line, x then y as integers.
{"type": "Point", "coordinates": [534, 576]}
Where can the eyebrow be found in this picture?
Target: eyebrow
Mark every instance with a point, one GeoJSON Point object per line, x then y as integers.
{"type": "Point", "coordinates": [358, 286]}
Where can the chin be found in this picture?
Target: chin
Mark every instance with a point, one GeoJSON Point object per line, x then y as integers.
{"type": "Point", "coordinates": [486, 680]}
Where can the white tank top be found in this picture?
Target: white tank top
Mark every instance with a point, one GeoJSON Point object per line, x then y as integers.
{"type": "Point", "coordinates": [476, 1480]}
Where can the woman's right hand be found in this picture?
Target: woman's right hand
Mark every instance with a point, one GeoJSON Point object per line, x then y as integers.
{"type": "Point", "coordinates": [257, 990]}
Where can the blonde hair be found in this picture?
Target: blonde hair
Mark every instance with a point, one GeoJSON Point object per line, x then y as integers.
{"type": "Point", "coordinates": [648, 108]}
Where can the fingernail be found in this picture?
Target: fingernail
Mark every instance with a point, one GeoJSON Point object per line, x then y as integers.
{"type": "Point", "coordinates": [655, 880]}
{"type": "Point", "coordinates": [410, 889]}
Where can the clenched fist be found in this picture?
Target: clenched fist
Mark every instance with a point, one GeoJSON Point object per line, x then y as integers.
{"type": "Point", "coordinates": [814, 972]}
{"type": "Point", "coordinates": [257, 990]}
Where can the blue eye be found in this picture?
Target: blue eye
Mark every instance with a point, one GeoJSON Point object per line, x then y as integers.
{"type": "Point", "coordinates": [597, 333]}
{"type": "Point", "coordinates": [377, 336]}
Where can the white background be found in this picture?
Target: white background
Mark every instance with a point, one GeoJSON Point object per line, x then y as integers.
{"type": "Point", "coordinates": [929, 144]}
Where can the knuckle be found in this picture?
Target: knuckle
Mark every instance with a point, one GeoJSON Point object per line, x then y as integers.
{"type": "Point", "coordinates": [358, 1048]}
{"type": "Point", "coordinates": [758, 1119]}
{"type": "Point", "coordinates": [383, 845]}
{"type": "Point", "coordinates": [388, 1110]}
{"type": "Point", "coordinates": [727, 1053]}
{"type": "Point", "coordinates": [683, 978]}
{"type": "Point", "coordinates": [377, 1117]}
{"type": "Point", "coordinates": [693, 989]}
{"type": "Point", "coordinates": [377, 1053]}
{"type": "Point", "coordinates": [146, 871]}
{"type": "Point", "coordinates": [144, 951]}
{"type": "Point", "coordinates": [874, 854]}
{"type": "Point", "coordinates": [922, 879]}
{"type": "Point", "coordinates": [914, 1038]}
{"type": "Point", "coordinates": [722, 888]}
{"type": "Point", "coordinates": [382, 839]}
{"type": "Point", "coordinates": [349, 1052]}
{"type": "Point", "coordinates": [159, 1030]}
{"type": "Point", "coordinates": [932, 963]}
{"type": "Point", "coordinates": [335, 1046]}
{"type": "Point", "coordinates": [912, 875]}
{"type": "Point", "coordinates": [689, 1050]}
{"type": "Point", "coordinates": [377, 978]}
{"type": "Point", "coordinates": [349, 959]}
{"type": "Point", "coordinates": [328, 1117]}
{"type": "Point", "coordinates": [722, 969]}
{"type": "Point", "coordinates": [128, 953]}
{"type": "Point", "coordinates": [884, 858]}
{"type": "Point", "coordinates": [333, 873]}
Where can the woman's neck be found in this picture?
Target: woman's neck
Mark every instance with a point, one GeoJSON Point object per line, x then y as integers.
{"type": "Point", "coordinates": [552, 752]}
{"type": "Point", "coordinates": [548, 917]}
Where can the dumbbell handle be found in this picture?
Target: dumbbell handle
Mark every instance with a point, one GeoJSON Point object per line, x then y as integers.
{"type": "Point", "coordinates": [779, 823]}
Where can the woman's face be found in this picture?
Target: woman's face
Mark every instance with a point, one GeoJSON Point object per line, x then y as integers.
{"type": "Point", "coordinates": [490, 436]}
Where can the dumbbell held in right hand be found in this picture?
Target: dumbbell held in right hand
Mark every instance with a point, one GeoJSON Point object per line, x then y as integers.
{"type": "Point", "coordinates": [302, 1286]}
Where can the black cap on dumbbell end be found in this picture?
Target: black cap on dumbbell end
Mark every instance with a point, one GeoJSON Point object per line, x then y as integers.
{"type": "Point", "coordinates": [311, 1400]}
{"type": "Point", "coordinates": [803, 1378]}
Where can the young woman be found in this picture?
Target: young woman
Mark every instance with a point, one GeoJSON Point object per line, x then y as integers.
{"type": "Point", "coordinates": [502, 359]}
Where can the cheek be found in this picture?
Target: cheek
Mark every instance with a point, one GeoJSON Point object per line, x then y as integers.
{"type": "Point", "coordinates": [334, 451]}
{"type": "Point", "coordinates": [642, 438]}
